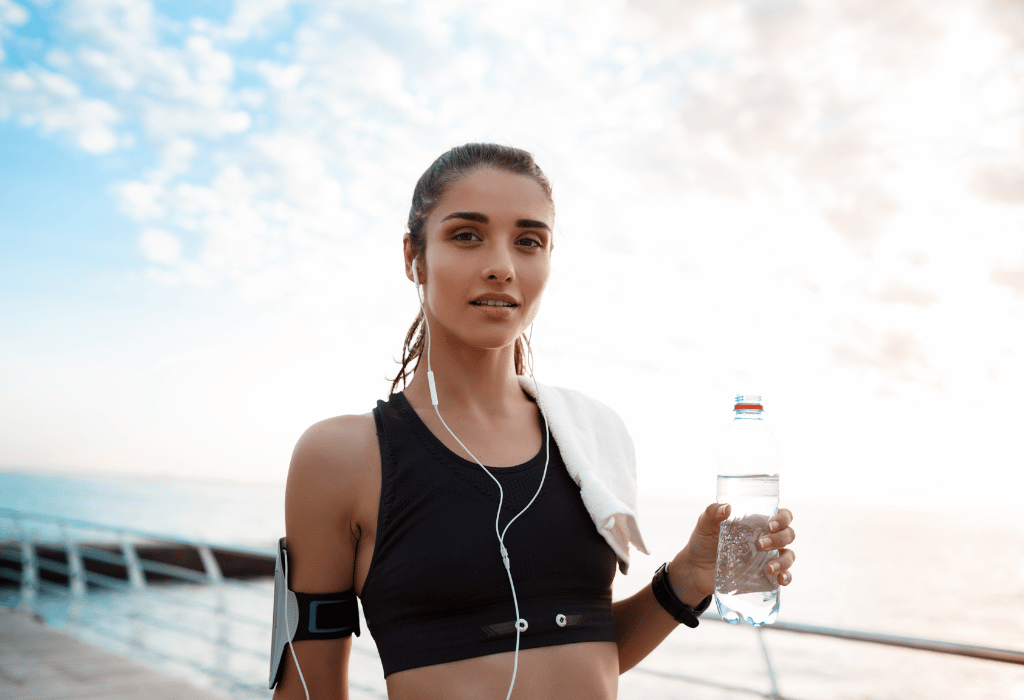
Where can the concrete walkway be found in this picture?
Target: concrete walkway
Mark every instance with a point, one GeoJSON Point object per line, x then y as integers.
{"type": "Point", "coordinates": [38, 663]}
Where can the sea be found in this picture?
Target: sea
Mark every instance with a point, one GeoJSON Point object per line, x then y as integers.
{"type": "Point", "coordinates": [954, 576]}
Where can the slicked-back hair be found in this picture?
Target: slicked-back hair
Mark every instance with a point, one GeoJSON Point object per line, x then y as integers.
{"type": "Point", "coordinates": [448, 169]}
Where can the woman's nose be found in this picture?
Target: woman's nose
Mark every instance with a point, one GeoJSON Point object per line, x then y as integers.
{"type": "Point", "coordinates": [498, 265]}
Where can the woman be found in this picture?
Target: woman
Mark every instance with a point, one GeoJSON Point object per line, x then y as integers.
{"type": "Point", "coordinates": [397, 503]}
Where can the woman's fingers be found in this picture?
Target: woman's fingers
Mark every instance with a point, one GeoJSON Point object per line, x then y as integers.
{"type": "Point", "coordinates": [781, 520]}
{"type": "Point", "coordinates": [712, 516]}
{"type": "Point", "coordinates": [780, 567]}
{"type": "Point", "coordinates": [777, 541]}
{"type": "Point", "coordinates": [781, 534]}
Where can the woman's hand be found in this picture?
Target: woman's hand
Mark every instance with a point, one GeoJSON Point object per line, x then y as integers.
{"type": "Point", "coordinates": [640, 621]}
{"type": "Point", "coordinates": [692, 571]}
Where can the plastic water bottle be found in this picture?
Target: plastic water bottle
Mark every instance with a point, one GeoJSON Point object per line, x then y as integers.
{"type": "Point", "coordinates": [748, 479]}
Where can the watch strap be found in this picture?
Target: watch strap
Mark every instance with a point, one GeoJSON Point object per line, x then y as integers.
{"type": "Point", "coordinates": [667, 598]}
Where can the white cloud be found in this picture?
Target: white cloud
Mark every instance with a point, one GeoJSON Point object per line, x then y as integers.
{"type": "Point", "coordinates": [141, 200]}
{"type": "Point", "coordinates": [175, 89]}
{"type": "Point", "coordinates": [895, 291]}
{"type": "Point", "coordinates": [176, 156]}
{"type": "Point", "coordinates": [11, 15]}
{"type": "Point", "coordinates": [1001, 182]}
{"type": "Point", "coordinates": [159, 246]}
{"type": "Point", "coordinates": [254, 17]}
{"type": "Point", "coordinates": [281, 78]}
{"type": "Point", "coordinates": [55, 104]}
{"type": "Point", "coordinates": [97, 139]}
{"type": "Point", "coordinates": [1011, 278]}
{"type": "Point", "coordinates": [894, 355]}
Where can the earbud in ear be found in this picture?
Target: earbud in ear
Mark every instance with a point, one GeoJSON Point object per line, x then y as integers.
{"type": "Point", "coordinates": [415, 275]}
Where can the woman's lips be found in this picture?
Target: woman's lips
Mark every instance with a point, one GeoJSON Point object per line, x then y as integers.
{"type": "Point", "coordinates": [492, 303]}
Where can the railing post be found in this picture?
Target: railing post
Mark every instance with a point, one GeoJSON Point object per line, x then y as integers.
{"type": "Point", "coordinates": [768, 664]}
{"type": "Point", "coordinates": [136, 577]}
{"type": "Point", "coordinates": [210, 564]}
{"type": "Point", "coordinates": [215, 577]}
{"type": "Point", "coordinates": [76, 569]}
{"type": "Point", "coordinates": [29, 568]}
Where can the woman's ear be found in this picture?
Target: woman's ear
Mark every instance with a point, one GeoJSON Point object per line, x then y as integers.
{"type": "Point", "coordinates": [410, 258]}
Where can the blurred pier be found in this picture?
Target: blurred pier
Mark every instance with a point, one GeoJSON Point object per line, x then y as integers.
{"type": "Point", "coordinates": [200, 612]}
{"type": "Point", "coordinates": [38, 663]}
{"type": "Point", "coordinates": [92, 611]}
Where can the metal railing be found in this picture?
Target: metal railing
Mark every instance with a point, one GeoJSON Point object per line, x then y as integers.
{"type": "Point", "coordinates": [119, 583]}
{"type": "Point", "coordinates": [57, 564]}
{"type": "Point", "coordinates": [933, 645]}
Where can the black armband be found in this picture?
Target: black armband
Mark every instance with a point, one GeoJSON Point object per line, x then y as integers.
{"type": "Point", "coordinates": [325, 615]}
{"type": "Point", "coordinates": [302, 616]}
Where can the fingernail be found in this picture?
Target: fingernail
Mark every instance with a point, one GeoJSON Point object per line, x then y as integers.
{"type": "Point", "coordinates": [721, 510]}
{"type": "Point", "coordinates": [765, 542]}
{"type": "Point", "coordinates": [773, 526]}
{"type": "Point", "coordinates": [785, 578]}
{"type": "Point", "coordinates": [773, 567]}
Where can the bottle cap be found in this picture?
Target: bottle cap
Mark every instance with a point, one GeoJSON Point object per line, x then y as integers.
{"type": "Point", "coordinates": [748, 402]}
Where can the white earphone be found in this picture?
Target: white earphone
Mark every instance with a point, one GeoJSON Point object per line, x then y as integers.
{"type": "Point", "coordinates": [521, 624]}
{"type": "Point", "coordinates": [430, 372]}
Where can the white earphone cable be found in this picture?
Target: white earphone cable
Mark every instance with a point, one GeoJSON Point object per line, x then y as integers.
{"type": "Point", "coordinates": [521, 624]}
{"type": "Point", "coordinates": [288, 626]}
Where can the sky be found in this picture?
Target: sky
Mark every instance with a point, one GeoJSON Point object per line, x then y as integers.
{"type": "Point", "coordinates": [202, 206]}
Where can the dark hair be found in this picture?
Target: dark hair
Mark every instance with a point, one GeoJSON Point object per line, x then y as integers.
{"type": "Point", "coordinates": [431, 187]}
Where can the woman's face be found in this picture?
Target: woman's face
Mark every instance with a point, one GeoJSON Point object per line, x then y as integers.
{"type": "Point", "coordinates": [488, 258]}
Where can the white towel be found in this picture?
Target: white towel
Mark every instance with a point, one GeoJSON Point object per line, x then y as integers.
{"type": "Point", "coordinates": [598, 454]}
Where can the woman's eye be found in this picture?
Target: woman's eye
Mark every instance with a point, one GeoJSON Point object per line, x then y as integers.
{"type": "Point", "coordinates": [465, 236]}
{"type": "Point", "coordinates": [530, 243]}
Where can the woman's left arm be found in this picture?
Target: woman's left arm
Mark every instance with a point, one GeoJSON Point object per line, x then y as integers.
{"type": "Point", "coordinates": [641, 623]}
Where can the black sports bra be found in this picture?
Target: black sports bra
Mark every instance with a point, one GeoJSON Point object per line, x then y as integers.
{"type": "Point", "coordinates": [437, 590]}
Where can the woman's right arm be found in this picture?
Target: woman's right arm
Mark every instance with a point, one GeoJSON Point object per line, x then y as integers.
{"type": "Point", "coordinates": [333, 471]}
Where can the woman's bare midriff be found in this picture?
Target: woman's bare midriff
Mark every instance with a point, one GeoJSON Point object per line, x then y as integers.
{"type": "Point", "coordinates": [583, 671]}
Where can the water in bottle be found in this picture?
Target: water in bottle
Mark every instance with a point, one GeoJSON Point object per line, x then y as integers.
{"type": "Point", "coordinates": [748, 479]}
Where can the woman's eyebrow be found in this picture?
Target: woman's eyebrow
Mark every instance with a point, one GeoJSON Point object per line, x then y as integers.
{"type": "Point", "coordinates": [530, 223]}
{"type": "Point", "coordinates": [468, 216]}
{"type": "Point", "coordinates": [482, 218]}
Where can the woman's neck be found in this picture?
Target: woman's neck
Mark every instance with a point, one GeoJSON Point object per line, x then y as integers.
{"type": "Point", "coordinates": [472, 381]}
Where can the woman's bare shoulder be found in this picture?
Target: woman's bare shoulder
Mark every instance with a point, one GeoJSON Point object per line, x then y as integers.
{"type": "Point", "coordinates": [334, 457]}
{"type": "Point", "coordinates": [334, 473]}
{"type": "Point", "coordinates": [336, 439]}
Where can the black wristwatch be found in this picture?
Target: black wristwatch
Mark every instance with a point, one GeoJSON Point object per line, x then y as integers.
{"type": "Point", "coordinates": [682, 612]}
